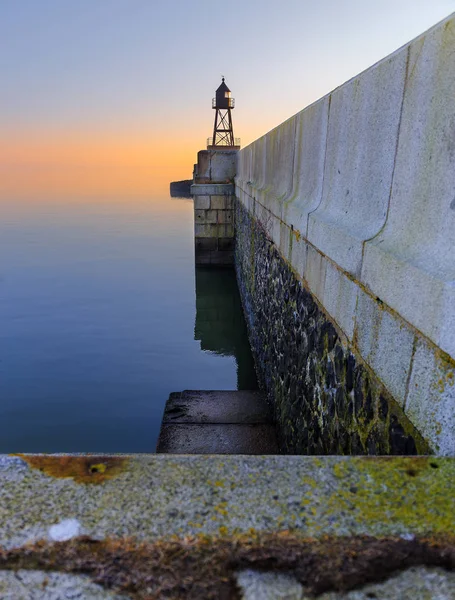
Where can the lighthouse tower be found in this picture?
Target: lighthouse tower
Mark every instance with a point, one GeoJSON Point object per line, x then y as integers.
{"type": "Point", "coordinates": [223, 131]}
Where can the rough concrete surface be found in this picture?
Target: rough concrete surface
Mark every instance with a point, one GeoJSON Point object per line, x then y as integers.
{"type": "Point", "coordinates": [411, 264]}
{"type": "Point", "coordinates": [191, 406]}
{"type": "Point", "coordinates": [217, 439]}
{"type": "Point", "coordinates": [414, 584]}
{"type": "Point", "coordinates": [45, 585]}
{"type": "Point", "coordinates": [217, 422]}
{"type": "Point", "coordinates": [362, 136]}
{"type": "Point", "coordinates": [161, 495]}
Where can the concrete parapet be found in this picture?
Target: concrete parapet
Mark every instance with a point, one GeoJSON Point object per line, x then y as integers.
{"type": "Point", "coordinates": [183, 495]}
{"type": "Point", "coordinates": [203, 526]}
{"type": "Point", "coordinates": [411, 263]}
{"type": "Point", "coordinates": [357, 193]}
{"type": "Point", "coordinates": [215, 166]}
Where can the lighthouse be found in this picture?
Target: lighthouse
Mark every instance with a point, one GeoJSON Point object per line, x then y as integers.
{"type": "Point", "coordinates": [223, 130]}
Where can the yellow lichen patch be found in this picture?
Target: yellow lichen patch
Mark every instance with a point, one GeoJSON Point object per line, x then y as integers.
{"type": "Point", "coordinates": [398, 489]}
{"type": "Point", "coordinates": [83, 469]}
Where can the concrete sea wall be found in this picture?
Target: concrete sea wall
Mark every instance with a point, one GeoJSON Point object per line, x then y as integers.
{"type": "Point", "coordinates": [345, 250]}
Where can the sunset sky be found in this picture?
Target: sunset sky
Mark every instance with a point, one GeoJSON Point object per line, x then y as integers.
{"type": "Point", "coordinates": [113, 97]}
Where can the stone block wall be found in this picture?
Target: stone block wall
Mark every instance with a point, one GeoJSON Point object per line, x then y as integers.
{"type": "Point", "coordinates": [213, 193]}
{"type": "Point", "coordinates": [214, 224]}
{"type": "Point", "coordinates": [326, 400]}
{"type": "Point", "coordinates": [355, 195]}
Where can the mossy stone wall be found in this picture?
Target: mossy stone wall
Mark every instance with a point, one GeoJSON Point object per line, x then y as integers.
{"type": "Point", "coordinates": [325, 400]}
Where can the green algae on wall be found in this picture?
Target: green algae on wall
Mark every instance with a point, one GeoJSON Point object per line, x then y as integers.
{"type": "Point", "coordinates": [326, 401]}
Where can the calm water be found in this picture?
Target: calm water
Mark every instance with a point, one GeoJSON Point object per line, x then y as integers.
{"type": "Point", "coordinates": [102, 315]}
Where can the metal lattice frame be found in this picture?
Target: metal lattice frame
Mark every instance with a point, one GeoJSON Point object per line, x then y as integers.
{"type": "Point", "coordinates": [223, 132]}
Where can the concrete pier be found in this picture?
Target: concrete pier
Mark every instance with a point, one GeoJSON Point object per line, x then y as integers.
{"type": "Point", "coordinates": [213, 193]}
{"type": "Point", "coordinates": [217, 422]}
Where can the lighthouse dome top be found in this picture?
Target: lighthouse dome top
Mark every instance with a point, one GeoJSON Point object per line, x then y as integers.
{"type": "Point", "coordinates": [223, 87]}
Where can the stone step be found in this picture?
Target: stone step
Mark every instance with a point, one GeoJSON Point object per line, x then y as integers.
{"type": "Point", "coordinates": [217, 422]}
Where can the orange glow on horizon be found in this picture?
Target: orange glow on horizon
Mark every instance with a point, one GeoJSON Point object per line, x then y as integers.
{"type": "Point", "coordinates": [84, 164]}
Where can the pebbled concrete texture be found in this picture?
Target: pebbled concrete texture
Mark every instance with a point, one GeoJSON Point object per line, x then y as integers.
{"type": "Point", "coordinates": [422, 583]}
{"type": "Point", "coordinates": [46, 585]}
{"type": "Point", "coordinates": [369, 222]}
{"type": "Point", "coordinates": [149, 497]}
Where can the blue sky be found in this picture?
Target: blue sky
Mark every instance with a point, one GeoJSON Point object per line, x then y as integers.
{"type": "Point", "coordinates": [147, 70]}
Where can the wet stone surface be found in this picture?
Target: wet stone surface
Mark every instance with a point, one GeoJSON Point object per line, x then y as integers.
{"type": "Point", "coordinates": [325, 400]}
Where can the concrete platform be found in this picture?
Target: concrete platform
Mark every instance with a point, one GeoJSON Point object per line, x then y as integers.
{"type": "Point", "coordinates": [217, 422]}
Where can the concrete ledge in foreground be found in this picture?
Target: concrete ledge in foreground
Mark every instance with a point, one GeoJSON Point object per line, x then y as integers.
{"type": "Point", "coordinates": [151, 496]}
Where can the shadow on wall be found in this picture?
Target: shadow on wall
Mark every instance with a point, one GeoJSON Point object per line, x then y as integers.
{"type": "Point", "coordinates": [220, 325]}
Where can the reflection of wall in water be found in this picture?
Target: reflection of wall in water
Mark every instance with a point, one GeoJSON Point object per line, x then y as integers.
{"type": "Point", "coordinates": [220, 325]}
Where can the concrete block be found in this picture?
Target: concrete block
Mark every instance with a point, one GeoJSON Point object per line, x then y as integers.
{"type": "Point", "coordinates": [204, 230]}
{"type": "Point", "coordinates": [225, 230]}
{"type": "Point", "coordinates": [225, 243]}
{"type": "Point", "coordinates": [244, 166]}
{"type": "Point", "coordinates": [199, 216]}
{"type": "Point", "coordinates": [274, 229]}
{"type": "Point", "coordinates": [203, 164]}
{"type": "Point", "coordinates": [298, 254]}
{"type": "Point", "coordinates": [411, 263]}
{"type": "Point", "coordinates": [201, 202]}
{"type": "Point", "coordinates": [205, 216]}
{"type": "Point", "coordinates": [221, 202]}
{"type": "Point", "coordinates": [258, 164]}
{"type": "Point", "coordinates": [224, 216]}
{"type": "Point", "coordinates": [315, 272]}
{"type": "Point", "coordinates": [198, 189]}
{"type": "Point", "coordinates": [222, 407]}
{"type": "Point", "coordinates": [218, 439]}
{"type": "Point", "coordinates": [211, 216]}
{"type": "Point", "coordinates": [309, 156]}
{"type": "Point", "coordinates": [276, 183]}
{"type": "Point", "coordinates": [285, 239]}
{"type": "Point", "coordinates": [340, 298]}
{"type": "Point", "coordinates": [386, 344]}
{"type": "Point", "coordinates": [223, 164]}
{"type": "Point", "coordinates": [361, 143]}
{"type": "Point", "coordinates": [202, 244]}
{"type": "Point", "coordinates": [430, 402]}
{"type": "Point", "coordinates": [215, 166]}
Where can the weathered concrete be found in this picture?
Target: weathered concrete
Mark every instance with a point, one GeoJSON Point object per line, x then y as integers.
{"type": "Point", "coordinates": [153, 498]}
{"type": "Point", "coordinates": [417, 583]}
{"type": "Point", "coordinates": [411, 264]}
{"type": "Point", "coordinates": [213, 195]}
{"type": "Point", "coordinates": [356, 194]}
{"type": "Point", "coordinates": [215, 166]}
{"type": "Point", "coordinates": [160, 495]}
{"type": "Point", "coordinates": [46, 585]}
{"type": "Point", "coordinates": [217, 422]}
{"type": "Point", "coordinates": [208, 438]}
{"type": "Point", "coordinates": [217, 407]}
{"type": "Point", "coordinates": [361, 142]}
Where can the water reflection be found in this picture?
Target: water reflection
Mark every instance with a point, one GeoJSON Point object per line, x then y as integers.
{"type": "Point", "coordinates": [220, 325]}
{"type": "Point", "coordinates": [97, 308]}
